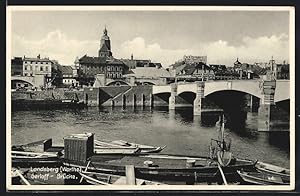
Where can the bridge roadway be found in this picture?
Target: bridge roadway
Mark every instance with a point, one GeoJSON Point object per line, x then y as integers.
{"type": "Point", "coordinates": [252, 87]}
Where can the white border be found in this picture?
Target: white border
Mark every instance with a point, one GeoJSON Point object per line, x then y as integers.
{"type": "Point", "coordinates": [291, 10]}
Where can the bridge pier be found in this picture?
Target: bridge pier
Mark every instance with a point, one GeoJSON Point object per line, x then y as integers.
{"type": "Point", "coordinates": [266, 105]}
{"type": "Point", "coordinates": [172, 98]}
{"type": "Point", "coordinates": [199, 98]}
{"type": "Point", "coordinates": [91, 96]}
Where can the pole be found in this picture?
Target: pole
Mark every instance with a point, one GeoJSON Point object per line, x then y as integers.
{"type": "Point", "coordinates": [22, 177]}
{"type": "Point", "coordinates": [130, 175]}
{"type": "Point", "coordinates": [222, 174]}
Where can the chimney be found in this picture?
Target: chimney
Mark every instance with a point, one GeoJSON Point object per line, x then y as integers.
{"type": "Point", "coordinates": [131, 56]}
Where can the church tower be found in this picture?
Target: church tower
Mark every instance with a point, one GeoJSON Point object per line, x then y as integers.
{"type": "Point", "coordinates": [105, 50]}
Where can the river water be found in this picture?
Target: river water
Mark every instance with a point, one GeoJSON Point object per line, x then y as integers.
{"type": "Point", "coordinates": [179, 130]}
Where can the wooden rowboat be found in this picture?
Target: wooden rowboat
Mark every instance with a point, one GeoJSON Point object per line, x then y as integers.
{"type": "Point", "coordinates": [121, 144]}
{"type": "Point", "coordinates": [274, 170]}
{"type": "Point", "coordinates": [109, 179]}
{"type": "Point", "coordinates": [261, 178]}
{"type": "Point", "coordinates": [168, 169]}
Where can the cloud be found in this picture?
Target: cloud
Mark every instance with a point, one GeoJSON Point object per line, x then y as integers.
{"type": "Point", "coordinates": [250, 50]}
{"type": "Point", "coordinates": [57, 45]}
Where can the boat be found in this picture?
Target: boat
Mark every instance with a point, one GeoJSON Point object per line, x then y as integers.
{"type": "Point", "coordinates": [18, 177]}
{"type": "Point", "coordinates": [260, 178]}
{"type": "Point", "coordinates": [220, 167]}
{"type": "Point", "coordinates": [274, 170]}
{"type": "Point", "coordinates": [94, 178]}
{"type": "Point", "coordinates": [36, 154]}
{"type": "Point", "coordinates": [105, 146]}
{"type": "Point", "coordinates": [45, 104]}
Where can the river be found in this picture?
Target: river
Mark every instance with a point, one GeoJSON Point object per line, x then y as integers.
{"type": "Point", "coordinates": [179, 130]}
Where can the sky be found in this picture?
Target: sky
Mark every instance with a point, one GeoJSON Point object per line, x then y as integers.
{"type": "Point", "coordinates": [161, 36]}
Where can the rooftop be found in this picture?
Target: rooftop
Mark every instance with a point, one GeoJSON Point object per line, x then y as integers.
{"type": "Point", "coordinates": [150, 72]}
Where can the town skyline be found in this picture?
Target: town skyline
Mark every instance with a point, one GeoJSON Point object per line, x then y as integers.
{"type": "Point", "coordinates": [249, 36]}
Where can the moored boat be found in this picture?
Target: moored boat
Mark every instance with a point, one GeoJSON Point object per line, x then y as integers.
{"type": "Point", "coordinates": [121, 144]}
{"type": "Point", "coordinates": [260, 178]}
{"type": "Point", "coordinates": [109, 179]}
{"type": "Point", "coordinates": [274, 170]}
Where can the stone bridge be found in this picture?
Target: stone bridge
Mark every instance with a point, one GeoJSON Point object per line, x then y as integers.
{"type": "Point", "coordinates": [268, 91]}
{"type": "Point", "coordinates": [35, 81]}
{"type": "Point", "coordinates": [28, 79]}
{"type": "Point", "coordinates": [252, 87]}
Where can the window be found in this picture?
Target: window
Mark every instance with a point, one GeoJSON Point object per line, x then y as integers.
{"type": "Point", "coordinates": [36, 68]}
{"type": "Point", "coordinates": [41, 68]}
{"type": "Point", "coordinates": [25, 67]}
{"type": "Point", "coordinates": [47, 68]}
{"type": "Point", "coordinates": [108, 68]}
{"type": "Point", "coordinates": [31, 74]}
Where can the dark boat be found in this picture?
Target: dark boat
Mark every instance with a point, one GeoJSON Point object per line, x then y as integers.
{"type": "Point", "coordinates": [220, 167]}
{"type": "Point", "coordinates": [166, 168]}
{"type": "Point", "coordinates": [274, 170]}
{"type": "Point", "coordinates": [45, 104]}
{"type": "Point", "coordinates": [109, 179]}
{"type": "Point", "coordinates": [260, 178]}
{"type": "Point", "coordinates": [36, 154]}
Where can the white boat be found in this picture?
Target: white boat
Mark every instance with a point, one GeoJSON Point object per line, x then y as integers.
{"type": "Point", "coordinates": [127, 146]}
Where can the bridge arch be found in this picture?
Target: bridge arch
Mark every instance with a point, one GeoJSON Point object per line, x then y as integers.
{"type": "Point", "coordinates": [17, 83]}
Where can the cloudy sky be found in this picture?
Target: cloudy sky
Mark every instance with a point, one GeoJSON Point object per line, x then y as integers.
{"type": "Point", "coordinates": [162, 36]}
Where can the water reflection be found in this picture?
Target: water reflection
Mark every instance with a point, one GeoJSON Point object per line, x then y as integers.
{"type": "Point", "coordinates": [179, 129]}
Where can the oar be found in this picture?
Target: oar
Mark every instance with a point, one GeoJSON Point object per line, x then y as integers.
{"type": "Point", "coordinates": [85, 171]}
{"type": "Point", "coordinates": [222, 174]}
{"type": "Point", "coordinates": [22, 177]}
{"type": "Point", "coordinates": [92, 179]}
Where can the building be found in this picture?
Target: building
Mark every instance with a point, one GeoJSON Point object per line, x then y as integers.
{"type": "Point", "coordinates": [105, 49]}
{"type": "Point", "coordinates": [134, 63]}
{"type": "Point", "coordinates": [194, 59]}
{"type": "Point", "coordinates": [68, 78]}
{"type": "Point", "coordinates": [105, 65]}
{"type": "Point", "coordinates": [111, 68]}
{"type": "Point", "coordinates": [17, 66]}
{"type": "Point", "coordinates": [194, 72]}
{"type": "Point", "coordinates": [283, 71]}
{"type": "Point", "coordinates": [37, 66]}
{"type": "Point", "coordinates": [149, 76]}
{"type": "Point", "coordinates": [222, 73]}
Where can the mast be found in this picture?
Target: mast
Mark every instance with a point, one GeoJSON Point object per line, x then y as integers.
{"type": "Point", "coordinates": [222, 131]}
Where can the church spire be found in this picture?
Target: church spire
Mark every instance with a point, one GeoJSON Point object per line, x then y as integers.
{"type": "Point", "coordinates": [105, 30]}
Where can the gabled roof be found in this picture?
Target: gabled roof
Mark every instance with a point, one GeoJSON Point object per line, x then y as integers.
{"type": "Point", "coordinates": [114, 61]}
{"type": "Point", "coordinates": [95, 60]}
{"type": "Point", "coordinates": [150, 72]}
{"type": "Point", "coordinates": [66, 69]}
{"type": "Point", "coordinates": [190, 68]}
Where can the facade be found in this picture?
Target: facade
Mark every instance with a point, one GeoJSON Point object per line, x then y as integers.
{"type": "Point", "coordinates": [283, 71]}
{"type": "Point", "coordinates": [111, 68]}
{"type": "Point", "coordinates": [17, 66]}
{"type": "Point", "coordinates": [37, 66]}
{"type": "Point", "coordinates": [194, 72]}
{"type": "Point", "coordinates": [149, 76]}
{"type": "Point", "coordinates": [68, 79]}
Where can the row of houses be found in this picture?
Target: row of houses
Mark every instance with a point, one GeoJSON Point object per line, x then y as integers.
{"type": "Point", "coordinates": [105, 70]}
